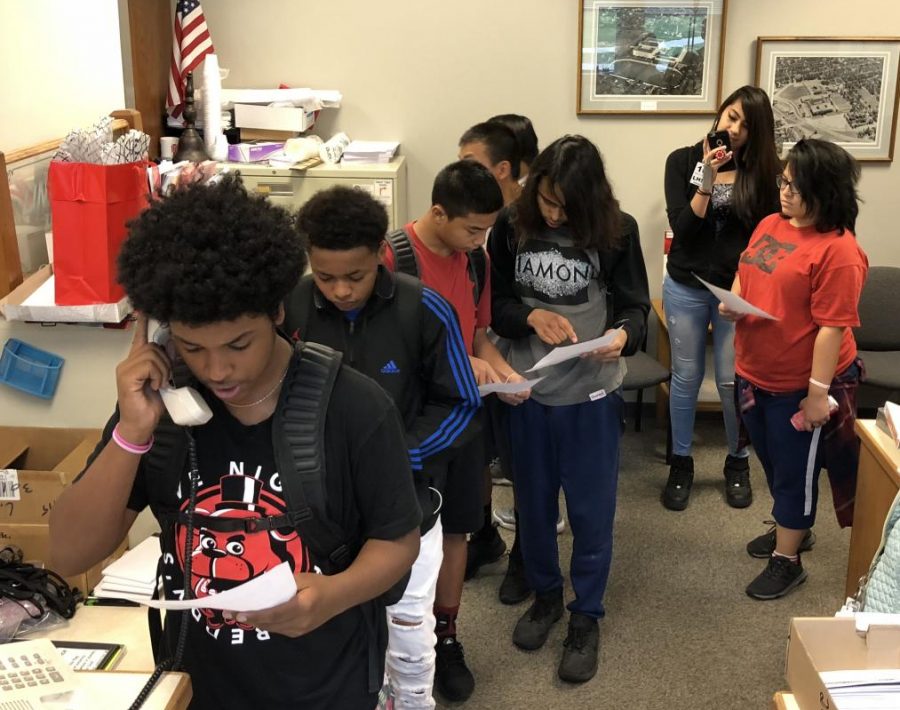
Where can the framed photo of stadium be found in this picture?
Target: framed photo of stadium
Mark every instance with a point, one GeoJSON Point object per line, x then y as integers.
{"type": "Point", "coordinates": [841, 89]}
{"type": "Point", "coordinates": [650, 56]}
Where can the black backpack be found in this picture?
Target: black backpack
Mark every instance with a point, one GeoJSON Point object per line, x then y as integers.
{"type": "Point", "coordinates": [406, 261]}
{"type": "Point", "coordinates": [298, 433]}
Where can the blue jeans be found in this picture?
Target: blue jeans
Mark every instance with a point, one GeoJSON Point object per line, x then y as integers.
{"type": "Point", "coordinates": [689, 312]}
{"type": "Point", "coordinates": [575, 447]}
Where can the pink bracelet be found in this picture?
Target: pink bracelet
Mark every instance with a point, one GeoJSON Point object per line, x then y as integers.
{"type": "Point", "coordinates": [128, 446]}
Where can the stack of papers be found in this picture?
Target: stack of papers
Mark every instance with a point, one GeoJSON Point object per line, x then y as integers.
{"type": "Point", "coordinates": [134, 573]}
{"type": "Point", "coordinates": [370, 151]}
{"type": "Point", "coordinates": [868, 689]}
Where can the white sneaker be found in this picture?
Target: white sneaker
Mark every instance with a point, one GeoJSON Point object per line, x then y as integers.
{"type": "Point", "coordinates": [506, 519]}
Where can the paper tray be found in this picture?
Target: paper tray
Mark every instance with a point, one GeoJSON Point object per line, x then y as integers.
{"type": "Point", "coordinates": [33, 301]}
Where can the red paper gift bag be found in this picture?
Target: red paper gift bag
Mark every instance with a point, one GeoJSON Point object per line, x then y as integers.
{"type": "Point", "coordinates": [90, 206]}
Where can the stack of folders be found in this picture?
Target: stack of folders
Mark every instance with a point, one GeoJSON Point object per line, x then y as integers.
{"type": "Point", "coordinates": [370, 151]}
{"type": "Point", "coordinates": [134, 573]}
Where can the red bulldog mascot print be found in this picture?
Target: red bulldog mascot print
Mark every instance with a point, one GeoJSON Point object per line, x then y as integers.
{"type": "Point", "coordinates": [222, 560]}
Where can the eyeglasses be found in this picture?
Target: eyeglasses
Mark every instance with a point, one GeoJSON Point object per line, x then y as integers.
{"type": "Point", "coordinates": [783, 182]}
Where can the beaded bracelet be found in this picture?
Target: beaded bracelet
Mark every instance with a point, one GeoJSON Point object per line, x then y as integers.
{"type": "Point", "coordinates": [819, 384]}
{"type": "Point", "coordinates": [125, 445]}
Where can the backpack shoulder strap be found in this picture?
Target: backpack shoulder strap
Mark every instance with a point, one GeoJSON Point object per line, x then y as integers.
{"type": "Point", "coordinates": [477, 271]}
{"type": "Point", "coordinates": [298, 438]}
{"type": "Point", "coordinates": [405, 260]}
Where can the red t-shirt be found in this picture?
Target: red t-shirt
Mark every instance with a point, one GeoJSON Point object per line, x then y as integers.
{"type": "Point", "coordinates": [449, 276]}
{"type": "Point", "coordinates": [808, 280]}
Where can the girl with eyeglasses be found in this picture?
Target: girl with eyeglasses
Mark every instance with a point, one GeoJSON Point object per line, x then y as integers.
{"type": "Point", "coordinates": [570, 269]}
{"type": "Point", "coordinates": [715, 196]}
{"type": "Point", "coordinates": [797, 376]}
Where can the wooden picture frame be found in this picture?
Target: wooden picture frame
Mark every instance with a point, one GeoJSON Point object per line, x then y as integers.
{"type": "Point", "coordinates": [650, 56]}
{"type": "Point", "coordinates": [842, 89]}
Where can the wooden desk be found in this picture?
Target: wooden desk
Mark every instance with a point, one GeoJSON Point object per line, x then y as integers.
{"type": "Point", "coordinates": [784, 701]}
{"type": "Point", "coordinates": [128, 626]}
{"type": "Point", "coordinates": [664, 356]}
{"type": "Point", "coordinates": [876, 486]}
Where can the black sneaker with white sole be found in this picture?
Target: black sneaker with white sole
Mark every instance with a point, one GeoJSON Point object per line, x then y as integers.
{"type": "Point", "coordinates": [763, 546]}
{"type": "Point", "coordinates": [780, 577]}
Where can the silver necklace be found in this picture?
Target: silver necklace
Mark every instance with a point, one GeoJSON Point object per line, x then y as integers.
{"type": "Point", "coordinates": [264, 398]}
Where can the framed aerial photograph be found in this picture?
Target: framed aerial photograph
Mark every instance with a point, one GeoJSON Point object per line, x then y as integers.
{"type": "Point", "coordinates": [841, 89]}
{"type": "Point", "coordinates": [650, 56]}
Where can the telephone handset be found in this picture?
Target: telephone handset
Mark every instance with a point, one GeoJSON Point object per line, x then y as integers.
{"type": "Point", "coordinates": [184, 404]}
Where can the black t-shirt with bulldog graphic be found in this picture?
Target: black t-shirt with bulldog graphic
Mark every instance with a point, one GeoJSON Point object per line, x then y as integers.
{"type": "Point", "coordinates": [369, 492]}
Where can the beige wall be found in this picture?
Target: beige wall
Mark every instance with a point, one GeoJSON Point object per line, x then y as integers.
{"type": "Point", "coordinates": [422, 71]}
{"type": "Point", "coordinates": [62, 67]}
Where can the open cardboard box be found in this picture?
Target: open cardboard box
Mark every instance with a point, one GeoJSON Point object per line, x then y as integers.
{"type": "Point", "coordinates": [35, 465]}
{"type": "Point", "coordinates": [824, 644]}
{"type": "Point", "coordinates": [33, 300]}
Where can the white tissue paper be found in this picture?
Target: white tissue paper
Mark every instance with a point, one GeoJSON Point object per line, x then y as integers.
{"type": "Point", "coordinates": [332, 150]}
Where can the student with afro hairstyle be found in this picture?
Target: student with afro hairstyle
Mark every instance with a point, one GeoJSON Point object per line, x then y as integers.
{"type": "Point", "coordinates": [214, 264]}
{"type": "Point", "coordinates": [405, 337]}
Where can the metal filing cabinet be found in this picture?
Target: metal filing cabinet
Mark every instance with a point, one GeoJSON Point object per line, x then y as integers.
{"type": "Point", "coordinates": [291, 188]}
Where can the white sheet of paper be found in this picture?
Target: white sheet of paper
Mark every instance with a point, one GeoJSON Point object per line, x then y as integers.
{"type": "Point", "coordinates": [269, 589]}
{"type": "Point", "coordinates": [508, 387]}
{"type": "Point", "coordinates": [735, 303]}
{"type": "Point", "coordinates": [567, 352]}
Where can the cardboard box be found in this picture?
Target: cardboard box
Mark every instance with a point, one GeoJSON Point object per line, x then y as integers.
{"type": "Point", "coordinates": [274, 118]}
{"type": "Point", "coordinates": [36, 464]}
{"type": "Point", "coordinates": [33, 300]}
{"type": "Point", "coordinates": [262, 134]}
{"type": "Point", "coordinates": [35, 543]}
{"type": "Point", "coordinates": [817, 645]}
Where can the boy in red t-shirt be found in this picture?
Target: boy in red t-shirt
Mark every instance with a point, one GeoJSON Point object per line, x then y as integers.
{"type": "Point", "coordinates": [465, 200]}
{"type": "Point", "coordinates": [805, 268]}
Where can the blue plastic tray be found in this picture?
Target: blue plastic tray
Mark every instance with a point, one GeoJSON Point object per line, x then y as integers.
{"type": "Point", "coordinates": [30, 369]}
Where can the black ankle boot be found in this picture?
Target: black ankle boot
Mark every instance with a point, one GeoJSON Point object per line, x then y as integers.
{"type": "Point", "coordinates": [677, 492]}
{"type": "Point", "coordinates": [737, 481]}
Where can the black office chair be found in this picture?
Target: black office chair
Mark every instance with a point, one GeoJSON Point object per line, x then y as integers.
{"type": "Point", "coordinates": [878, 338]}
{"type": "Point", "coordinates": [643, 371]}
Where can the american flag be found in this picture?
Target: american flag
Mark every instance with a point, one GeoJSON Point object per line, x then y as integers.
{"type": "Point", "coordinates": [191, 42]}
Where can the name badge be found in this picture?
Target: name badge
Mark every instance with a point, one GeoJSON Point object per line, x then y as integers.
{"type": "Point", "coordinates": [697, 177]}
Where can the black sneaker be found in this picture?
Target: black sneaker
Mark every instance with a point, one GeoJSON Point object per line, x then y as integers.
{"type": "Point", "coordinates": [484, 547]}
{"type": "Point", "coordinates": [778, 578]}
{"type": "Point", "coordinates": [738, 493]}
{"type": "Point", "coordinates": [763, 546]}
{"type": "Point", "coordinates": [678, 488]}
{"type": "Point", "coordinates": [579, 659]}
{"type": "Point", "coordinates": [533, 628]}
{"type": "Point", "coordinates": [452, 676]}
{"type": "Point", "coordinates": [514, 589]}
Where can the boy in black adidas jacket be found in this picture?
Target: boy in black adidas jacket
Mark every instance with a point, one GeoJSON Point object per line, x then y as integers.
{"type": "Point", "coordinates": [406, 337]}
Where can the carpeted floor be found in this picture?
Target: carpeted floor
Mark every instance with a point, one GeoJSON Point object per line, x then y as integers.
{"type": "Point", "coordinates": [679, 633]}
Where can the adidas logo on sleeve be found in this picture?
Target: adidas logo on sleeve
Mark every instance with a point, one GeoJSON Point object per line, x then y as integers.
{"type": "Point", "coordinates": [390, 368]}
